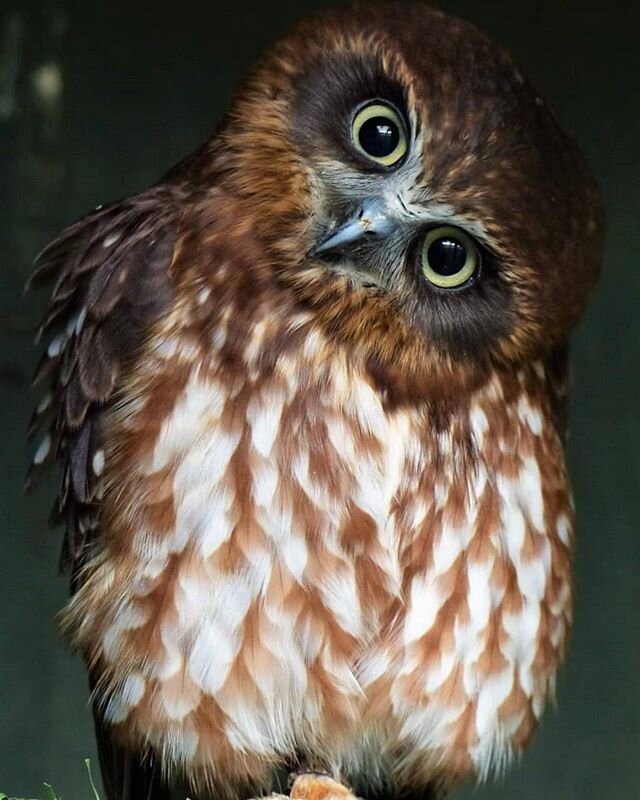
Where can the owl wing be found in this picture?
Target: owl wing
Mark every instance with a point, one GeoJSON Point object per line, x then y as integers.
{"type": "Point", "coordinates": [111, 274]}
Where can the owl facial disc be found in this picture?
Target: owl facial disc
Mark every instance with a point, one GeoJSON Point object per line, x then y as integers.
{"type": "Point", "coordinates": [371, 219]}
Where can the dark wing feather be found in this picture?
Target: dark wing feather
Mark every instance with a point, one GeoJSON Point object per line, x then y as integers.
{"type": "Point", "coordinates": [558, 373]}
{"type": "Point", "coordinates": [111, 274]}
{"type": "Point", "coordinates": [125, 775]}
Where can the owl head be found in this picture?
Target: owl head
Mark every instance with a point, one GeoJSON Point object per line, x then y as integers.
{"type": "Point", "coordinates": [414, 190]}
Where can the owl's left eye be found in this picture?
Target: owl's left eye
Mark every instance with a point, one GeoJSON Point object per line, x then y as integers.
{"type": "Point", "coordinates": [450, 257]}
{"type": "Point", "coordinates": [378, 132]}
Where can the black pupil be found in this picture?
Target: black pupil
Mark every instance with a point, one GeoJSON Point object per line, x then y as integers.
{"type": "Point", "coordinates": [379, 136]}
{"type": "Point", "coordinates": [446, 256]}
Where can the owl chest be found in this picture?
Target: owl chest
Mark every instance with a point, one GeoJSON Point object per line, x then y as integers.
{"type": "Point", "coordinates": [304, 572]}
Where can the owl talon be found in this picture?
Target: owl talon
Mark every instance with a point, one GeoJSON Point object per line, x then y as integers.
{"type": "Point", "coordinates": [319, 786]}
{"type": "Point", "coordinates": [308, 773]}
{"type": "Point", "coordinates": [313, 786]}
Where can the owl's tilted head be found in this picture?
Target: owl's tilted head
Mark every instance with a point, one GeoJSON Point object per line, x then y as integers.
{"type": "Point", "coordinates": [414, 188]}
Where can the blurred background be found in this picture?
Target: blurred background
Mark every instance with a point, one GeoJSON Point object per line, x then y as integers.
{"type": "Point", "coordinates": [97, 99]}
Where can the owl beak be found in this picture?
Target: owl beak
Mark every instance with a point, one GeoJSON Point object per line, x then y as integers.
{"type": "Point", "coordinates": [371, 219]}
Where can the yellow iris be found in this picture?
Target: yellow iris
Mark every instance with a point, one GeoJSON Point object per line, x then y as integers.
{"type": "Point", "coordinates": [376, 128]}
{"type": "Point", "coordinates": [449, 257]}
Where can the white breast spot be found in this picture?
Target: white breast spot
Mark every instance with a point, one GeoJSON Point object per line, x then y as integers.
{"type": "Point", "coordinates": [529, 415]}
{"type": "Point", "coordinates": [436, 676]}
{"type": "Point", "coordinates": [426, 600]}
{"type": "Point", "coordinates": [479, 424]}
{"type": "Point", "coordinates": [171, 662]}
{"type": "Point", "coordinates": [447, 549]}
{"type": "Point", "coordinates": [204, 517]}
{"type": "Point", "coordinates": [340, 594]}
{"type": "Point", "coordinates": [532, 579]}
{"type": "Point", "coordinates": [530, 492]}
{"type": "Point", "coordinates": [181, 746]}
{"type": "Point", "coordinates": [364, 404]}
{"type": "Point", "coordinates": [133, 689]}
{"type": "Point", "coordinates": [375, 666]}
{"type": "Point", "coordinates": [494, 690]}
{"type": "Point", "coordinates": [266, 477]}
{"type": "Point", "coordinates": [522, 628]}
{"type": "Point", "coordinates": [562, 603]}
{"type": "Point", "coordinates": [178, 705]}
{"type": "Point", "coordinates": [479, 594]}
{"type": "Point", "coordinates": [124, 698]}
{"type": "Point", "coordinates": [294, 555]}
{"type": "Point", "coordinates": [211, 657]}
{"type": "Point", "coordinates": [263, 415]}
{"type": "Point", "coordinates": [513, 522]}
{"type": "Point", "coordinates": [115, 710]}
{"type": "Point", "coordinates": [129, 617]}
{"type": "Point", "coordinates": [440, 494]}
{"type": "Point", "coordinates": [563, 529]}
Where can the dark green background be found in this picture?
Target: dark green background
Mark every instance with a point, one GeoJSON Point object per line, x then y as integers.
{"type": "Point", "coordinates": [142, 86]}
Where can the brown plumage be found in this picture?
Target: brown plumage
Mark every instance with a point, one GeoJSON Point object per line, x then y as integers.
{"type": "Point", "coordinates": [308, 398]}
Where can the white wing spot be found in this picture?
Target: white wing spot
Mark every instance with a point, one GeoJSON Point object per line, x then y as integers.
{"type": "Point", "coordinates": [56, 345]}
{"type": "Point", "coordinates": [44, 404]}
{"type": "Point", "coordinates": [80, 320]}
{"type": "Point", "coordinates": [111, 239]}
{"type": "Point", "coordinates": [203, 295]}
{"type": "Point", "coordinates": [43, 450]}
{"type": "Point", "coordinates": [98, 462]}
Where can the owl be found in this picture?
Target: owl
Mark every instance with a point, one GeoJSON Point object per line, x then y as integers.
{"type": "Point", "coordinates": [307, 396]}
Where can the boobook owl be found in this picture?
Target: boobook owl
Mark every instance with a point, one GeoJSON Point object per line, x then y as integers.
{"type": "Point", "coordinates": [307, 395]}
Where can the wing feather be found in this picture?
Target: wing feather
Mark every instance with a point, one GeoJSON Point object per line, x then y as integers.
{"type": "Point", "coordinates": [111, 281]}
{"type": "Point", "coordinates": [111, 273]}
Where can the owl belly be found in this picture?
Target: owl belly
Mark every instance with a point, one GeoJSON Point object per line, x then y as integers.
{"type": "Point", "coordinates": [332, 578]}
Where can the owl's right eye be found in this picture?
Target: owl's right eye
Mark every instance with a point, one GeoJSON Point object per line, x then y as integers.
{"type": "Point", "coordinates": [378, 132]}
{"type": "Point", "coordinates": [450, 257]}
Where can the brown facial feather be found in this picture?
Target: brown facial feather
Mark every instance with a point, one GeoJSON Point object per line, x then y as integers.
{"type": "Point", "coordinates": [200, 357]}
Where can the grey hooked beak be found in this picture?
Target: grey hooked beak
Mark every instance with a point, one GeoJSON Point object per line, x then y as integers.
{"type": "Point", "coordinates": [371, 219]}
